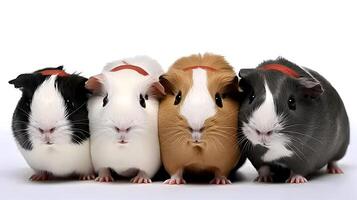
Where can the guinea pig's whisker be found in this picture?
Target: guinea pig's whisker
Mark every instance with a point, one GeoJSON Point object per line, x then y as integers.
{"type": "Point", "coordinates": [293, 150]}
{"type": "Point", "coordinates": [79, 129]}
{"type": "Point", "coordinates": [301, 143]}
{"type": "Point", "coordinates": [245, 147]}
{"type": "Point", "coordinates": [293, 125]}
{"type": "Point", "coordinates": [298, 133]}
{"type": "Point", "coordinates": [76, 110]}
{"type": "Point", "coordinates": [26, 113]}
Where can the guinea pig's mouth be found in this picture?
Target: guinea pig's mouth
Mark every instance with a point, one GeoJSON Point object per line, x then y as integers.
{"type": "Point", "coordinates": [122, 142]}
{"type": "Point", "coordinates": [48, 143]}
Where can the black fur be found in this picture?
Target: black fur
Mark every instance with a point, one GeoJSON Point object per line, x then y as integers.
{"type": "Point", "coordinates": [319, 113]}
{"type": "Point", "coordinates": [72, 90]}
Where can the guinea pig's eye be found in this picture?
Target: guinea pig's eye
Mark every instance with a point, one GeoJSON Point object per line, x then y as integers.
{"type": "Point", "coordinates": [146, 97]}
{"type": "Point", "coordinates": [178, 98]}
{"type": "Point", "coordinates": [251, 98]}
{"type": "Point", "coordinates": [292, 103]}
{"type": "Point", "coordinates": [105, 100]}
{"type": "Point", "coordinates": [218, 99]}
{"type": "Point", "coordinates": [142, 101]}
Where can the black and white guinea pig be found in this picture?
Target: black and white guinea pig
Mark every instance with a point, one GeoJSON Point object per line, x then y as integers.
{"type": "Point", "coordinates": [50, 123]}
{"type": "Point", "coordinates": [291, 119]}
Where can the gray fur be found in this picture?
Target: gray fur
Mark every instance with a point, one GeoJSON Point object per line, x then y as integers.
{"type": "Point", "coordinates": [320, 123]}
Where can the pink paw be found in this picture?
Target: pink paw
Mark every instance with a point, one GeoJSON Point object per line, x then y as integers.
{"type": "Point", "coordinates": [222, 180]}
{"type": "Point", "coordinates": [40, 177]}
{"type": "Point", "coordinates": [104, 179]}
{"type": "Point", "coordinates": [334, 170]}
{"type": "Point", "coordinates": [297, 179]}
{"type": "Point", "coordinates": [264, 179]}
{"type": "Point", "coordinates": [140, 179]}
{"type": "Point", "coordinates": [175, 181]}
{"type": "Point", "coordinates": [86, 177]}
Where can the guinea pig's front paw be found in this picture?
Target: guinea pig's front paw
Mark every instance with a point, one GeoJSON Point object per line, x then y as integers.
{"type": "Point", "coordinates": [264, 179]}
{"type": "Point", "coordinates": [40, 176]}
{"type": "Point", "coordinates": [175, 181]}
{"type": "Point", "coordinates": [87, 177]}
{"type": "Point", "coordinates": [104, 179]}
{"type": "Point", "coordinates": [296, 178]}
{"type": "Point", "coordinates": [220, 180]}
{"type": "Point", "coordinates": [140, 179]}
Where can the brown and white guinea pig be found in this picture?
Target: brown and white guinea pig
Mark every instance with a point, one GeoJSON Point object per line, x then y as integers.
{"type": "Point", "coordinates": [198, 118]}
{"type": "Point", "coordinates": [293, 120]}
{"type": "Point", "coordinates": [50, 123]}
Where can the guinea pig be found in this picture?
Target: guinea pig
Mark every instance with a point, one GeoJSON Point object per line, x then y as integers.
{"type": "Point", "coordinates": [198, 118]}
{"type": "Point", "coordinates": [291, 119]}
{"type": "Point", "coordinates": [50, 124]}
{"type": "Point", "coordinates": [123, 119]}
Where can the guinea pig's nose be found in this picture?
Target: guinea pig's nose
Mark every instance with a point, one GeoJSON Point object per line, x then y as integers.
{"type": "Point", "coordinates": [264, 133]}
{"type": "Point", "coordinates": [199, 130]}
{"type": "Point", "coordinates": [50, 130]}
{"type": "Point", "coordinates": [122, 130]}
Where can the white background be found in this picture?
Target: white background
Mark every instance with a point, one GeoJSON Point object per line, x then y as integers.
{"type": "Point", "coordinates": [85, 35]}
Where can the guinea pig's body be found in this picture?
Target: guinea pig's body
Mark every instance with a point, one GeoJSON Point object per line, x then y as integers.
{"type": "Point", "coordinates": [123, 120]}
{"type": "Point", "coordinates": [293, 118]}
{"type": "Point", "coordinates": [198, 118]}
{"type": "Point", "coordinates": [50, 124]}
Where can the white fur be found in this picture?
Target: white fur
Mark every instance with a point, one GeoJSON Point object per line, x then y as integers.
{"type": "Point", "coordinates": [265, 119]}
{"type": "Point", "coordinates": [62, 157]}
{"type": "Point", "coordinates": [198, 98]}
{"type": "Point", "coordinates": [123, 110]}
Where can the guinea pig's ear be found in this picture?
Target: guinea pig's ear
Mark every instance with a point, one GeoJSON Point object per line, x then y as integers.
{"type": "Point", "coordinates": [244, 73]}
{"type": "Point", "coordinates": [310, 87]}
{"type": "Point", "coordinates": [95, 84]}
{"type": "Point", "coordinates": [157, 90]}
{"type": "Point", "coordinates": [243, 83]}
{"type": "Point", "coordinates": [166, 84]}
{"type": "Point", "coordinates": [22, 80]}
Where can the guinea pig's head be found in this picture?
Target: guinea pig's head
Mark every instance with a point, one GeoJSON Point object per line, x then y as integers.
{"type": "Point", "coordinates": [128, 92]}
{"type": "Point", "coordinates": [52, 109]}
{"type": "Point", "coordinates": [278, 97]}
{"type": "Point", "coordinates": [200, 103]}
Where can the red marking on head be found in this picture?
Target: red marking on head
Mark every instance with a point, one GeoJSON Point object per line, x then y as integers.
{"type": "Point", "coordinates": [58, 72]}
{"type": "Point", "coordinates": [281, 68]}
{"type": "Point", "coordinates": [201, 67]}
{"type": "Point", "coordinates": [132, 67]}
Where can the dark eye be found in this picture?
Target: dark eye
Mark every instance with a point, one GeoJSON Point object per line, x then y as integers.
{"type": "Point", "coordinates": [105, 100]}
{"type": "Point", "coordinates": [251, 98]}
{"type": "Point", "coordinates": [292, 103]}
{"type": "Point", "coordinates": [218, 99]}
{"type": "Point", "coordinates": [146, 97]}
{"type": "Point", "coordinates": [142, 101]}
{"type": "Point", "coordinates": [178, 98]}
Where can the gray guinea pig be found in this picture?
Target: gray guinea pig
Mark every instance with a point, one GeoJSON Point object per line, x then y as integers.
{"type": "Point", "coordinates": [292, 122]}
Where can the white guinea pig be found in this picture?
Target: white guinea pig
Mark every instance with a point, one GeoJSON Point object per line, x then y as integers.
{"type": "Point", "coordinates": [123, 119]}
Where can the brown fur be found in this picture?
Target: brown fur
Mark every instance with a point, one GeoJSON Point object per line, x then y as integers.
{"type": "Point", "coordinates": [219, 150]}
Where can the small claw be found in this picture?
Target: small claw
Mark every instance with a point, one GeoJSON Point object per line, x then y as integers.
{"type": "Point", "coordinates": [297, 179]}
{"type": "Point", "coordinates": [139, 179]}
{"type": "Point", "coordinates": [175, 181]}
{"type": "Point", "coordinates": [39, 177]}
{"type": "Point", "coordinates": [105, 179]}
{"type": "Point", "coordinates": [220, 181]}
{"type": "Point", "coordinates": [334, 170]}
{"type": "Point", "coordinates": [86, 177]}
